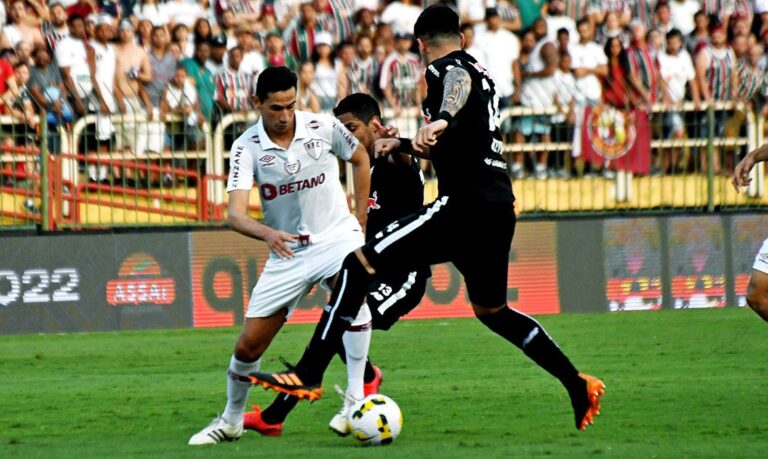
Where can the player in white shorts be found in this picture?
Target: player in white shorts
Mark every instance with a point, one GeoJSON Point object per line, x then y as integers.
{"type": "Point", "coordinates": [757, 293]}
{"type": "Point", "coordinates": [293, 157]}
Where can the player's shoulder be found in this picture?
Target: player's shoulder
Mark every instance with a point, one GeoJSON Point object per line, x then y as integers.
{"type": "Point", "coordinates": [250, 140]}
{"type": "Point", "coordinates": [459, 59]}
{"type": "Point", "coordinates": [316, 124]}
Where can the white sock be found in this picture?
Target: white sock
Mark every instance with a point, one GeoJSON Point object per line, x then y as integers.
{"type": "Point", "coordinates": [103, 172]}
{"type": "Point", "coordinates": [356, 344]}
{"type": "Point", "coordinates": [237, 391]}
{"type": "Point", "coordinates": [92, 172]}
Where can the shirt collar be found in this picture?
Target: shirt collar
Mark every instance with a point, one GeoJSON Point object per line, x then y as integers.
{"type": "Point", "coordinates": [299, 133]}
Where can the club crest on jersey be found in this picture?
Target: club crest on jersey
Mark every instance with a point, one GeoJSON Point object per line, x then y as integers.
{"type": "Point", "coordinates": [314, 148]}
{"type": "Point", "coordinates": [267, 160]}
{"type": "Point", "coordinates": [292, 168]}
{"type": "Point", "coordinates": [373, 203]}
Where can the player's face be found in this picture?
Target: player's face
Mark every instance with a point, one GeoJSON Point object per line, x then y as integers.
{"type": "Point", "coordinates": [363, 132]}
{"type": "Point", "coordinates": [277, 111]}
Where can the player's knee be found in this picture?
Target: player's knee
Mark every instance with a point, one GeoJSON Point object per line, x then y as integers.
{"type": "Point", "coordinates": [249, 350]}
{"type": "Point", "coordinates": [483, 311]}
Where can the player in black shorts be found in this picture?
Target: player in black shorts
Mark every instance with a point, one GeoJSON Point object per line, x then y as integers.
{"type": "Point", "coordinates": [471, 224]}
{"type": "Point", "coordinates": [397, 189]}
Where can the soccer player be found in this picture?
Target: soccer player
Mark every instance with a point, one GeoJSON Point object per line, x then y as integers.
{"type": "Point", "coordinates": [471, 224]}
{"type": "Point", "coordinates": [757, 292]}
{"type": "Point", "coordinates": [397, 189]}
{"type": "Point", "coordinates": [292, 155]}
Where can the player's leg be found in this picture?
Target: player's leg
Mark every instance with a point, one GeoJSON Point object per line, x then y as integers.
{"type": "Point", "coordinates": [404, 244]}
{"type": "Point", "coordinates": [757, 293]}
{"type": "Point", "coordinates": [396, 295]}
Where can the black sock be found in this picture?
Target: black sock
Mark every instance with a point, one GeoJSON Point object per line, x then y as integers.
{"type": "Point", "coordinates": [528, 335]}
{"type": "Point", "coordinates": [279, 409]}
{"type": "Point", "coordinates": [369, 373]}
{"type": "Point", "coordinates": [345, 303]}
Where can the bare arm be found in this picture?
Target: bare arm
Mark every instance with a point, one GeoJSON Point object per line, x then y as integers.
{"type": "Point", "coordinates": [701, 76]}
{"type": "Point", "coordinates": [741, 172]}
{"type": "Point", "coordinates": [361, 173]}
{"type": "Point", "coordinates": [244, 224]}
{"type": "Point", "coordinates": [457, 86]}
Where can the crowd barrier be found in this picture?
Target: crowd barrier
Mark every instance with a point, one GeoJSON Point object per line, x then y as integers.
{"type": "Point", "coordinates": [87, 281]}
{"type": "Point", "coordinates": [167, 172]}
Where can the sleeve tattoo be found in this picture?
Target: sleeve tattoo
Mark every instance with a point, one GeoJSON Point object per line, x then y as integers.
{"type": "Point", "coordinates": [457, 86]}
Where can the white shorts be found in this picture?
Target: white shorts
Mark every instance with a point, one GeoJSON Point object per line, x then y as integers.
{"type": "Point", "coordinates": [761, 260]}
{"type": "Point", "coordinates": [283, 283]}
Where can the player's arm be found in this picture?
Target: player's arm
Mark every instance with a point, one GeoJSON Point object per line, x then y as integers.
{"type": "Point", "coordinates": [456, 88]}
{"type": "Point", "coordinates": [741, 172]}
{"type": "Point", "coordinates": [361, 174]}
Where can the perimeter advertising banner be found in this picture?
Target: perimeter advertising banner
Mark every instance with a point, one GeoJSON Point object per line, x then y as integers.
{"type": "Point", "coordinates": [226, 266]}
{"type": "Point", "coordinates": [87, 282]}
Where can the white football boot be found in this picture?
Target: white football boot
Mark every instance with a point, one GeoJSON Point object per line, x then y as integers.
{"type": "Point", "coordinates": [340, 422]}
{"type": "Point", "coordinates": [217, 431]}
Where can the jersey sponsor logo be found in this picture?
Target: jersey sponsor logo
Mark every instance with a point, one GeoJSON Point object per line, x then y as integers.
{"type": "Point", "coordinates": [292, 168]}
{"type": "Point", "coordinates": [373, 203]}
{"type": "Point", "coordinates": [236, 165]}
{"type": "Point", "coordinates": [345, 134]}
{"type": "Point", "coordinates": [267, 160]}
{"type": "Point", "coordinates": [611, 131]}
{"type": "Point", "coordinates": [314, 125]}
{"type": "Point", "coordinates": [270, 192]}
{"type": "Point", "coordinates": [314, 148]}
{"type": "Point", "coordinates": [497, 163]}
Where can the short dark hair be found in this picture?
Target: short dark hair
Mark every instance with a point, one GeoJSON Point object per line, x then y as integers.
{"type": "Point", "coordinates": [674, 33]}
{"type": "Point", "coordinates": [74, 17]}
{"type": "Point", "coordinates": [361, 106]}
{"type": "Point", "coordinates": [437, 21]}
{"type": "Point", "coordinates": [563, 31]}
{"type": "Point", "coordinates": [274, 79]}
{"type": "Point", "coordinates": [583, 20]}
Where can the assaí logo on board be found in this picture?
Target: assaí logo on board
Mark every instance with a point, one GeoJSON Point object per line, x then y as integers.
{"type": "Point", "coordinates": [141, 281]}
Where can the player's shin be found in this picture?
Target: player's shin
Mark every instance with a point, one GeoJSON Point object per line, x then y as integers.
{"type": "Point", "coordinates": [527, 334]}
{"type": "Point", "coordinates": [346, 300]}
{"type": "Point", "coordinates": [238, 387]}
{"type": "Point", "coordinates": [357, 341]}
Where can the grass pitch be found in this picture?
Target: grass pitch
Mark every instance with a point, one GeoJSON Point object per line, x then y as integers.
{"type": "Point", "coordinates": [680, 384]}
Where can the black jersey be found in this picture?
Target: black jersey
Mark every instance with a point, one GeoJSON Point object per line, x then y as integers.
{"type": "Point", "coordinates": [396, 190]}
{"type": "Point", "coordinates": [467, 157]}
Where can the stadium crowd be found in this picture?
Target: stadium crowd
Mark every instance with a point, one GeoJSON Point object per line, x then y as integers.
{"type": "Point", "coordinates": [200, 60]}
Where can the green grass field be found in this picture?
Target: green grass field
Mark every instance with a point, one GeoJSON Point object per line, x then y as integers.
{"type": "Point", "coordinates": [680, 384]}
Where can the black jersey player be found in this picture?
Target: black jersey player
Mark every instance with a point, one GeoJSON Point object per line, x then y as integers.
{"type": "Point", "coordinates": [471, 224]}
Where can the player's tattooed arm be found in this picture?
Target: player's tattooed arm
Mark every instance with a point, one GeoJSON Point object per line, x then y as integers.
{"type": "Point", "coordinates": [457, 85]}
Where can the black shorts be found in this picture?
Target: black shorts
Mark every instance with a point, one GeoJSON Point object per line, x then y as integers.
{"type": "Point", "coordinates": [476, 238]}
{"type": "Point", "coordinates": [396, 295]}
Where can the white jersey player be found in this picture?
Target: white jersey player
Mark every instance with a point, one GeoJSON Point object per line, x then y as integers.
{"type": "Point", "coordinates": [757, 293]}
{"type": "Point", "coordinates": [293, 157]}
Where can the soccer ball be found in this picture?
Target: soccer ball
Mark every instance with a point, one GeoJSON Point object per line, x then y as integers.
{"type": "Point", "coordinates": [376, 420]}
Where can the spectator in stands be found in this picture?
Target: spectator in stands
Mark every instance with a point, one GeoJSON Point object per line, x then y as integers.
{"type": "Point", "coordinates": [471, 11]}
{"type": "Point", "coordinates": [470, 45]}
{"type": "Point", "coordinates": [621, 8]}
{"type": "Point", "coordinates": [180, 98]}
{"type": "Point", "coordinates": [663, 18]}
{"type": "Point", "coordinates": [656, 42]}
{"type": "Point", "coordinates": [401, 15]}
{"type": "Point", "coordinates": [510, 15]}
{"type": "Point", "coordinates": [611, 27]}
{"type": "Point", "coordinates": [537, 93]}
{"type": "Point", "coordinates": [589, 64]}
{"type": "Point", "coordinates": [82, 8]}
{"type": "Point", "coordinates": [133, 71]}
{"type": "Point", "coordinates": [180, 36]}
{"type": "Point", "coordinates": [365, 22]}
{"type": "Point", "coordinates": [530, 11]}
{"type": "Point", "coordinates": [306, 99]}
{"type": "Point", "coordinates": [700, 34]}
{"type": "Point", "coordinates": [621, 89]}
{"type": "Point", "coordinates": [20, 102]}
{"type": "Point", "coordinates": [326, 83]}
{"type": "Point", "coordinates": [718, 78]}
{"type": "Point", "coordinates": [216, 61]}
{"type": "Point", "coordinates": [751, 81]}
{"type": "Point", "coordinates": [232, 85]}
{"type": "Point", "coordinates": [183, 12]}
{"type": "Point", "coordinates": [201, 31]}
{"type": "Point", "coordinates": [682, 14]}
{"type": "Point", "coordinates": [742, 26]}
{"type": "Point", "coordinates": [277, 55]}
{"type": "Point", "coordinates": [361, 74]}
{"type": "Point", "coordinates": [563, 40]}
{"type": "Point", "coordinates": [163, 65]}
{"type": "Point", "coordinates": [498, 51]}
{"type": "Point", "coordinates": [721, 10]}
{"type": "Point", "coordinates": [643, 11]}
{"type": "Point", "coordinates": [643, 64]}
{"type": "Point", "coordinates": [72, 59]}
{"type": "Point", "coordinates": [144, 30]}
{"type": "Point", "coordinates": [567, 98]}
{"type": "Point", "coordinates": [152, 11]}
{"type": "Point", "coordinates": [253, 61]}
{"type": "Point", "coordinates": [23, 53]}
{"type": "Point", "coordinates": [677, 71]}
{"type": "Point", "coordinates": [226, 23]}
{"type": "Point", "coordinates": [557, 19]}
{"type": "Point", "coordinates": [56, 29]}
{"type": "Point", "coordinates": [20, 29]}
{"type": "Point", "coordinates": [400, 83]}
{"type": "Point", "coordinates": [739, 44]}
{"type": "Point", "coordinates": [202, 76]}
{"type": "Point", "coordinates": [301, 34]}
{"type": "Point", "coordinates": [47, 89]}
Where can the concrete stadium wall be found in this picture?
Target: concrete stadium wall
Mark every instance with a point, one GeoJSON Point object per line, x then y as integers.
{"type": "Point", "coordinates": [124, 281]}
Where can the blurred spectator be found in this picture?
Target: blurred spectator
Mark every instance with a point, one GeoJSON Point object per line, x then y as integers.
{"type": "Point", "coordinates": [663, 19]}
{"type": "Point", "coordinates": [183, 12]}
{"type": "Point", "coordinates": [90, 26]}
{"type": "Point", "coordinates": [245, 11]}
{"type": "Point", "coordinates": [678, 73]}
{"type": "Point", "coordinates": [700, 34]}
{"type": "Point", "coordinates": [538, 93]}
{"type": "Point", "coordinates": [740, 45]}
{"type": "Point", "coordinates": [718, 78]}
{"type": "Point", "coordinates": [681, 13]}
{"type": "Point", "coordinates": [365, 22]}
{"type": "Point", "coordinates": [306, 99]}
{"type": "Point", "coordinates": [567, 98]}
{"type": "Point", "coordinates": [643, 11]}
{"type": "Point", "coordinates": [232, 85]}
{"type": "Point", "coordinates": [621, 8]}
{"type": "Point", "coordinates": [497, 50]}
{"type": "Point", "coordinates": [277, 55]}
{"type": "Point", "coordinates": [19, 100]}
{"type": "Point", "coordinates": [133, 71]}
{"type": "Point", "coordinates": [201, 31]}
{"type": "Point", "coordinates": [470, 44]}
{"type": "Point", "coordinates": [577, 9]}
{"type": "Point", "coordinates": [722, 10]}
{"type": "Point", "coordinates": [741, 26]}
{"type": "Point", "coordinates": [588, 63]}
{"type": "Point", "coordinates": [202, 76]}
{"type": "Point", "coordinates": [530, 11]}
{"type": "Point", "coordinates": [471, 11]}
{"type": "Point", "coordinates": [563, 40]}
{"type": "Point", "coordinates": [510, 15]}
{"type": "Point", "coordinates": [401, 15]}
{"type": "Point", "coordinates": [23, 53]}
{"type": "Point", "coordinates": [163, 65]}
{"type": "Point", "coordinates": [556, 20]}
{"type": "Point", "coordinates": [621, 89]}
{"type": "Point", "coordinates": [19, 29]}
{"type": "Point", "coordinates": [361, 74]}
{"type": "Point", "coordinates": [145, 30]}
{"type": "Point", "coordinates": [216, 62]}
{"type": "Point", "coordinates": [643, 64]}
{"type": "Point", "coordinates": [400, 82]}
{"type": "Point", "coordinates": [253, 61]}
{"type": "Point", "coordinates": [55, 29]}
{"type": "Point", "coordinates": [300, 36]}
{"type": "Point", "coordinates": [72, 59]}
{"type": "Point", "coordinates": [47, 89]}
{"type": "Point", "coordinates": [152, 11]}
{"type": "Point", "coordinates": [180, 36]}
{"type": "Point", "coordinates": [326, 84]}
{"type": "Point", "coordinates": [227, 24]}
{"type": "Point", "coordinates": [656, 42]}
{"type": "Point", "coordinates": [612, 28]}
{"type": "Point", "coordinates": [180, 98]}
{"type": "Point", "coordinates": [751, 75]}
{"type": "Point", "coordinates": [83, 8]}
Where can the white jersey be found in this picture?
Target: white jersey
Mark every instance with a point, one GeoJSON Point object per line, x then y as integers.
{"type": "Point", "coordinates": [106, 63]}
{"type": "Point", "coordinates": [70, 53]}
{"type": "Point", "coordinates": [299, 186]}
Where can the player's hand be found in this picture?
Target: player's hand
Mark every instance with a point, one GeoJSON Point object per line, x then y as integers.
{"type": "Point", "coordinates": [386, 132]}
{"type": "Point", "coordinates": [276, 241]}
{"type": "Point", "coordinates": [741, 172]}
{"type": "Point", "coordinates": [384, 147]}
{"type": "Point", "coordinates": [427, 135]}
{"type": "Point", "coordinates": [103, 108]}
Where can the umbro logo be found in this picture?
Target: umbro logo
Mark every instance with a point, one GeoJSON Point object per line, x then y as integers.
{"type": "Point", "coordinates": [267, 160]}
